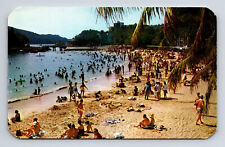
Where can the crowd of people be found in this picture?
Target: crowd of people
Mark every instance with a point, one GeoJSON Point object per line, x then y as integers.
{"type": "Point", "coordinates": [156, 66]}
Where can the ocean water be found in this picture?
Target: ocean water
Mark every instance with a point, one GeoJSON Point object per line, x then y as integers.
{"type": "Point", "coordinates": [26, 63]}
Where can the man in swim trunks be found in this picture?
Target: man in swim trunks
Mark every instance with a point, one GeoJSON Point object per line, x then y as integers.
{"type": "Point", "coordinates": [200, 105]}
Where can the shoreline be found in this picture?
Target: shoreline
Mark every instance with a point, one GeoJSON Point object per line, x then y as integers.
{"type": "Point", "coordinates": [63, 90]}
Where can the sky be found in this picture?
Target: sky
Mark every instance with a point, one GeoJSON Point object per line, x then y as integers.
{"type": "Point", "coordinates": [65, 21]}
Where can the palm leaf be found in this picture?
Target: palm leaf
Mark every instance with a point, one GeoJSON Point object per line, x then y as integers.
{"type": "Point", "coordinates": [176, 73]}
{"type": "Point", "coordinates": [147, 14]}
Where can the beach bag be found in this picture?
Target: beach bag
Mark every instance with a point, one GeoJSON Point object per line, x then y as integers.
{"type": "Point", "coordinates": [18, 133]}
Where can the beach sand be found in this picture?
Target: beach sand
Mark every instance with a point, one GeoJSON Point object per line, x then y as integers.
{"type": "Point", "coordinates": [177, 113]}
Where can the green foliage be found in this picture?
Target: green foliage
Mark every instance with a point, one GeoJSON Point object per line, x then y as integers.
{"type": "Point", "coordinates": [16, 39]}
{"type": "Point", "coordinates": [35, 38]}
{"type": "Point", "coordinates": [90, 38]}
{"type": "Point", "coordinates": [152, 35]}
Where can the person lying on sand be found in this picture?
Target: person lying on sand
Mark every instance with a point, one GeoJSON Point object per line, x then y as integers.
{"type": "Point", "coordinates": [89, 127]}
{"type": "Point", "coordinates": [97, 135]}
{"type": "Point", "coordinates": [28, 132]}
{"type": "Point", "coordinates": [17, 117]}
{"type": "Point", "coordinates": [80, 109]}
{"type": "Point", "coordinates": [146, 123]}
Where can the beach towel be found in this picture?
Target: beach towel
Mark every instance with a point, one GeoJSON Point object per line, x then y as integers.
{"type": "Point", "coordinates": [131, 98]}
{"type": "Point", "coordinates": [90, 114]}
{"type": "Point", "coordinates": [118, 136]}
{"type": "Point", "coordinates": [113, 121]}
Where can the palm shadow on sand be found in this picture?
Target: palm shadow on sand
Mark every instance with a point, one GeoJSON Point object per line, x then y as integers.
{"type": "Point", "coordinates": [209, 125]}
{"type": "Point", "coordinates": [168, 98]}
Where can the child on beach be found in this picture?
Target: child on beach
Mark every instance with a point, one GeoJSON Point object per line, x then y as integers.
{"type": "Point", "coordinates": [17, 117]}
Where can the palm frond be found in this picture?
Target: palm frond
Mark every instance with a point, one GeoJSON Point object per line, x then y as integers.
{"type": "Point", "coordinates": [196, 77]}
{"type": "Point", "coordinates": [114, 13]}
{"type": "Point", "coordinates": [176, 73]}
{"type": "Point", "coordinates": [211, 85]}
{"type": "Point", "coordinates": [147, 14]}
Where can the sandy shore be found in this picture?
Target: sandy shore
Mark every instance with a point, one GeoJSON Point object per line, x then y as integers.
{"type": "Point", "coordinates": [177, 113]}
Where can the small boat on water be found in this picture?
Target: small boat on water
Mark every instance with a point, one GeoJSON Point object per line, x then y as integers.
{"type": "Point", "coordinates": [39, 55]}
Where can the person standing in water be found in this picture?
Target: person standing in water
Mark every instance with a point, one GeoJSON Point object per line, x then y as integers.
{"type": "Point", "coordinates": [82, 77]}
{"type": "Point", "coordinates": [71, 91]}
{"type": "Point", "coordinates": [129, 66]}
{"type": "Point", "coordinates": [75, 91]}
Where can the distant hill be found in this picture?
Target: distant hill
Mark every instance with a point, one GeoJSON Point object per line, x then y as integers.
{"type": "Point", "coordinates": [35, 38]}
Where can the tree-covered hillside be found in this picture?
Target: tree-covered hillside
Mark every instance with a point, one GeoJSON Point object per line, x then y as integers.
{"type": "Point", "coordinates": [35, 38]}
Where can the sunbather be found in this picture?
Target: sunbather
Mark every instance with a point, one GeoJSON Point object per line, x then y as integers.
{"type": "Point", "coordinates": [16, 118]}
{"type": "Point", "coordinates": [36, 127]}
{"type": "Point", "coordinates": [72, 132]}
{"type": "Point", "coordinates": [97, 135]}
{"type": "Point", "coordinates": [145, 123]}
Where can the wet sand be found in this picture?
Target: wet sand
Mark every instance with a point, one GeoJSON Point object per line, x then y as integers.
{"type": "Point", "coordinates": [177, 113]}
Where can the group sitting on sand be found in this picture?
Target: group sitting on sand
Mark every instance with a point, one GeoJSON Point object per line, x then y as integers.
{"type": "Point", "coordinates": [33, 132]}
{"type": "Point", "coordinates": [76, 133]}
{"type": "Point", "coordinates": [146, 123]}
